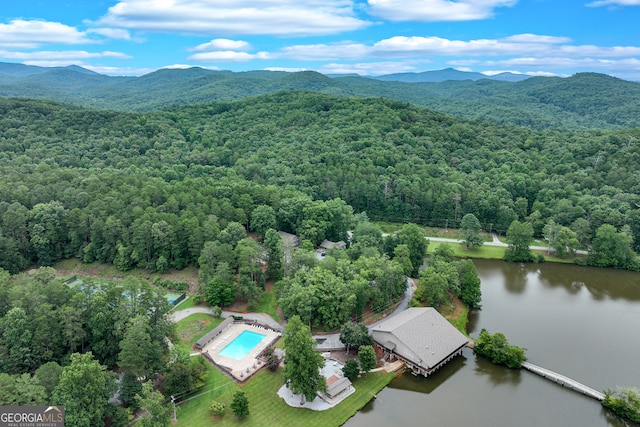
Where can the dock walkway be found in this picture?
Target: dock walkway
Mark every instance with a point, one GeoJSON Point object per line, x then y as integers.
{"type": "Point", "coordinates": [563, 381]}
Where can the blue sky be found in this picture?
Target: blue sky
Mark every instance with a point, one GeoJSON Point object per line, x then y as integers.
{"type": "Point", "coordinates": [368, 37]}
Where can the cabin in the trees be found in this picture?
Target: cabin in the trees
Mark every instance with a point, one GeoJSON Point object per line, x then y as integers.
{"type": "Point", "coordinates": [421, 338]}
{"type": "Point", "coordinates": [289, 240]}
{"type": "Point", "coordinates": [327, 244]}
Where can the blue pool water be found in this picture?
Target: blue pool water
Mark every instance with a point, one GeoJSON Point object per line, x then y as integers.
{"type": "Point", "coordinates": [241, 345]}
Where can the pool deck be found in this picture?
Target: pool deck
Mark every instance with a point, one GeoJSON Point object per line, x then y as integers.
{"type": "Point", "coordinates": [242, 369]}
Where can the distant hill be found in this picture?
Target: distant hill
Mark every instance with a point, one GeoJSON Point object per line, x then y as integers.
{"type": "Point", "coordinates": [21, 70]}
{"type": "Point", "coordinates": [448, 74]}
{"type": "Point", "coordinates": [583, 101]}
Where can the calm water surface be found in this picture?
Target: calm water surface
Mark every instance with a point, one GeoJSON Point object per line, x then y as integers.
{"type": "Point", "coordinates": [581, 322]}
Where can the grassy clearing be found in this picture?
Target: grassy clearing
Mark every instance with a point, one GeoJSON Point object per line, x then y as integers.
{"type": "Point", "coordinates": [457, 312]}
{"type": "Point", "coordinates": [190, 302]}
{"type": "Point", "coordinates": [388, 227]}
{"type": "Point", "coordinates": [460, 250]}
{"type": "Point", "coordinates": [564, 260]}
{"type": "Point", "coordinates": [269, 304]}
{"type": "Point", "coordinates": [267, 409]}
{"type": "Point", "coordinates": [192, 328]}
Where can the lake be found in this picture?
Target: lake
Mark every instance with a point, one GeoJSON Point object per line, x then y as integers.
{"type": "Point", "coordinates": [581, 322]}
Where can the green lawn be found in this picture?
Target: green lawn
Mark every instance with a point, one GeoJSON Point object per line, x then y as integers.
{"type": "Point", "coordinates": [189, 302]}
{"type": "Point", "coordinates": [268, 304]}
{"type": "Point", "coordinates": [267, 409]}
{"type": "Point", "coordinates": [460, 250]}
{"type": "Point", "coordinates": [192, 328]}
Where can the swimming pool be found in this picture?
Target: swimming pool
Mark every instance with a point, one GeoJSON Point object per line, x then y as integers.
{"type": "Point", "coordinates": [241, 345]}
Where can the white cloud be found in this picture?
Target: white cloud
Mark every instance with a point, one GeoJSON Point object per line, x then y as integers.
{"type": "Point", "coordinates": [323, 52]}
{"type": "Point", "coordinates": [368, 68]}
{"type": "Point", "coordinates": [564, 63]}
{"type": "Point", "coordinates": [436, 10]}
{"type": "Point", "coordinates": [536, 38]}
{"type": "Point", "coordinates": [224, 17]}
{"type": "Point", "coordinates": [286, 69]}
{"type": "Point", "coordinates": [21, 34]}
{"type": "Point", "coordinates": [67, 56]}
{"type": "Point", "coordinates": [112, 33]}
{"type": "Point", "coordinates": [223, 44]}
{"type": "Point", "coordinates": [228, 56]}
{"type": "Point", "coordinates": [600, 3]}
{"type": "Point", "coordinates": [117, 71]}
{"type": "Point", "coordinates": [406, 54]}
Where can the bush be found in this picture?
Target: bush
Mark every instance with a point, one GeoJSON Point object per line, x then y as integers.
{"type": "Point", "coordinates": [496, 348]}
{"type": "Point", "coordinates": [171, 285]}
{"type": "Point", "coordinates": [273, 362]}
{"type": "Point", "coordinates": [624, 402]}
{"type": "Point", "coordinates": [217, 408]}
{"type": "Point", "coordinates": [351, 369]}
{"type": "Point", "coordinates": [580, 261]}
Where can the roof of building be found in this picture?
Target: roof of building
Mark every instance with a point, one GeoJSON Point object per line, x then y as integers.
{"type": "Point", "coordinates": [328, 244]}
{"type": "Point", "coordinates": [336, 385]}
{"type": "Point", "coordinates": [421, 335]}
{"type": "Point", "coordinates": [289, 238]}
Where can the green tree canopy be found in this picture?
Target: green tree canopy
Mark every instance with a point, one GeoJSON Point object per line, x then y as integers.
{"type": "Point", "coordinates": [355, 335]}
{"type": "Point", "coordinates": [157, 411]}
{"type": "Point", "coordinates": [240, 405]}
{"type": "Point", "coordinates": [263, 218]}
{"type": "Point", "coordinates": [611, 248]}
{"type": "Point", "coordinates": [138, 353]}
{"type": "Point", "coordinates": [302, 363]}
{"type": "Point", "coordinates": [351, 369]}
{"type": "Point", "coordinates": [519, 236]}
{"type": "Point", "coordinates": [470, 292]}
{"type": "Point", "coordinates": [470, 227]}
{"type": "Point", "coordinates": [413, 236]}
{"type": "Point", "coordinates": [84, 389]}
{"type": "Point", "coordinates": [367, 357]}
{"type": "Point", "coordinates": [496, 348]}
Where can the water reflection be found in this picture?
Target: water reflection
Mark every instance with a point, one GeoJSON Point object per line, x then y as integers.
{"type": "Point", "coordinates": [515, 277]}
{"type": "Point", "coordinates": [427, 385]}
{"type": "Point", "coordinates": [600, 282]}
{"type": "Point", "coordinates": [497, 375]}
{"type": "Point", "coordinates": [472, 320]}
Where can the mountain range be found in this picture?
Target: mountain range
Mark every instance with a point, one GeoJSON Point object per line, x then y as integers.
{"type": "Point", "coordinates": [582, 101]}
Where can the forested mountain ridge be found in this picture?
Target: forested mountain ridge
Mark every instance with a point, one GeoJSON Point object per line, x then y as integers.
{"type": "Point", "coordinates": [449, 74]}
{"type": "Point", "coordinates": [583, 101]}
{"type": "Point", "coordinates": [148, 189]}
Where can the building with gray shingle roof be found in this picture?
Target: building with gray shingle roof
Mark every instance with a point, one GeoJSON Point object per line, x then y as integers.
{"type": "Point", "coordinates": [420, 337]}
{"type": "Point", "coordinates": [209, 336]}
{"type": "Point", "coordinates": [336, 386]}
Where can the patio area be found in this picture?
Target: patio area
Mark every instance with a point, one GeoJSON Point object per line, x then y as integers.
{"type": "Point", "coordinates": [332, 371]}
{"type": "Point", "coordinates": [240, 366]}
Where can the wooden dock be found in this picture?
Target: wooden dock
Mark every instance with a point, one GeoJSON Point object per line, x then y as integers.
{"type": "Point", "coordinates": [563, 381]}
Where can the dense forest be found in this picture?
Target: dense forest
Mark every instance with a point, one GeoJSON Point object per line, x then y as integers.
{"type": "Point", "coordinates": [583, 101]}
{"type": "Point", "coordinates": [209, 184]}
{"type": "Point", "coordinates": [148, 189]}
